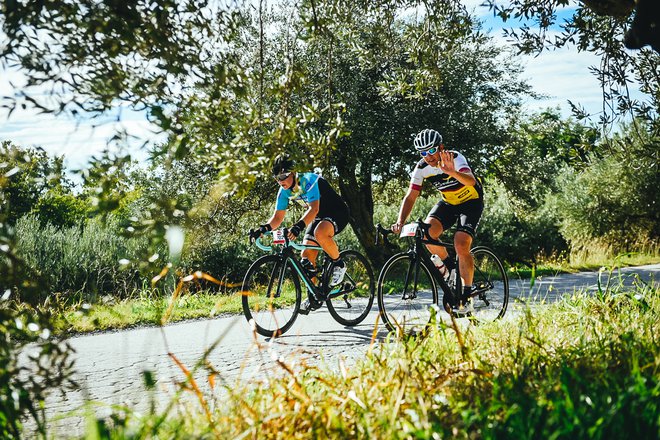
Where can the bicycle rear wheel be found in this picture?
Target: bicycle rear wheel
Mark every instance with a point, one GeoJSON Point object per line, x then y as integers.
{"type": "Point", "coordinates": [271, 297]}
{"type": "Point", "coordinates": [404, 300]}
{"type": "Point", "coordinates": [491, 282]}
{"type": "Point", "coordinates": [350, 303]}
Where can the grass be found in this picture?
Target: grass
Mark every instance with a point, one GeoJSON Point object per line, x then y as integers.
{"type": "Point", "coordinates": [581, 263]}
{"type": "Point", "coordinates": [148, 308]}
{"type": "Point", "coordinates": [585, 367]}
{"type": "Point", "coordinates": [143, 310]}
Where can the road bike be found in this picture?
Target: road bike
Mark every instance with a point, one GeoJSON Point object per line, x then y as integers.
{"type": "Point", "coordinates": [408, 284]}
{"type": "Point", "coordinates": [273, 285]}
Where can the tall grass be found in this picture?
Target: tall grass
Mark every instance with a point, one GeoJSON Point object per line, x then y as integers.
{"type": "Point", "coordinates": [83, 259]}
{"type": "Point", "coordinates": [585, 367]}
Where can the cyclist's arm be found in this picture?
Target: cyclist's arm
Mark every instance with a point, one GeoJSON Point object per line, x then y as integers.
{"type": "Point", "coordinates": [457, 168]}
{"type": "Point", "coordinates": [465, 177]}
{"type": "Point", "coordinates": [407, 206]}
{"type": "Point", "coordinates": [276, 220]}
{"type": "Point", "coordinates": [311, 212]}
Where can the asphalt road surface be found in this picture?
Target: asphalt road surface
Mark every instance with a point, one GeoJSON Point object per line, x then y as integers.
{"type": "Point", "coordinates": [110, 366]}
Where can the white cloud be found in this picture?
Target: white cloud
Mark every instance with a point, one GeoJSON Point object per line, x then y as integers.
{"type": "Point", "coordinates": [564, 75]}
{"type": "Point", "coordinates": [78, 140]}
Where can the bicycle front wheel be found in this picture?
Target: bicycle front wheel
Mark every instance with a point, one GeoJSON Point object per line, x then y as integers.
{"type": "Point", "coordinates": [405, 298]}
{"type": "Point", "coordinates": [351, 301]}
{"type": "Point", "coordinates": [271, 295]}
{"type": "Point", "coordinates": [492, 286]}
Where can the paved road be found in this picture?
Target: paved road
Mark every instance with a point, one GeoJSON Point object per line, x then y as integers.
{"type": "Point", "coordinates": [110, 365]}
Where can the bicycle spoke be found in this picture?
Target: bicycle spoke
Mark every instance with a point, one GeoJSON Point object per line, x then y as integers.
{"type": "Point", "coordinates": [405, 301]}
{"type": "Point", "coordinates": [271, 297]}
{"type": "Point", "coordinates": [350, 303]}
{"type": "Point", "coordinates": [492, 285]}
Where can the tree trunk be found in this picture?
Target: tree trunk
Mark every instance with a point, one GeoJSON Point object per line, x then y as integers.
{"type": "Point", "coordinates": [359, 198]}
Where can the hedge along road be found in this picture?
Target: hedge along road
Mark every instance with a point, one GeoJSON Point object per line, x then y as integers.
{"type": "Point", "coordinates": [110, 366]}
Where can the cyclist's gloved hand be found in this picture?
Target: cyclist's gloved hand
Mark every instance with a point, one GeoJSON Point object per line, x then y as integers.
{"type": "Point", "coordinates": [295, 230]}
{"type": "Point", "coordinates": [258, 232]}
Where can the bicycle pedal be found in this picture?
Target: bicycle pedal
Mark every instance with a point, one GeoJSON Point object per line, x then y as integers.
{"type": "Point", "coordinates": [309, 306]}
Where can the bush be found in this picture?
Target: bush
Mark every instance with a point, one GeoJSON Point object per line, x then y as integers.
{"type": "Point", "coordinates": [79, 259]}
{"type": "Point", "coordinates": [225, 259]}
{"type": "Point", "coordinates": [58, 209]}
{"type": "Point", "coordinates": [613, 203]}
{"type": "Point", "coordinates": [519, 235]}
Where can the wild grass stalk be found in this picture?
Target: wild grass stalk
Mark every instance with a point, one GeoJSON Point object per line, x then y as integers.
{"type": "Point", "coordinates": [587, 366]}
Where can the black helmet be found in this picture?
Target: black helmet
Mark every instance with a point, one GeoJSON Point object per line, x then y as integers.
{"type": "Point", "coordinates": [427, 138]}
{"type": "Point", "coordinates": [283, 164]}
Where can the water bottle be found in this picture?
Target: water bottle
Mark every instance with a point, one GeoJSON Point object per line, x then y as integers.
{"type": "Point", "coordinates": [437, 261]}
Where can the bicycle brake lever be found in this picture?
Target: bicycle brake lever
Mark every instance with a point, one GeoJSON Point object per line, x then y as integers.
{"type": "Point", "coordinates": [384, 232]}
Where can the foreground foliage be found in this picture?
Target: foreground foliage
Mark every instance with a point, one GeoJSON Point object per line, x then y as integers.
{"type": "Point", "coordinates": [585, 367]}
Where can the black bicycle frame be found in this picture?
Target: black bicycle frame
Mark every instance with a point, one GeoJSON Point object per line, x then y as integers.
{"type": "Point", "coordinates": [425, 255]}
{"type": "Point", "coordinates": [320, 292]}
{"type": "Point", "coordinates": [418, 252]}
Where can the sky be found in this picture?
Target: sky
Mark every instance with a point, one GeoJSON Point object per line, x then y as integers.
{"type": "Point", "coordinates": [561, 75]}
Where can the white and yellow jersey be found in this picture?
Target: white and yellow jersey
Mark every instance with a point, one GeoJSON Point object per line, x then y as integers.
{"type": "Point", "coordinates": [453, 191]}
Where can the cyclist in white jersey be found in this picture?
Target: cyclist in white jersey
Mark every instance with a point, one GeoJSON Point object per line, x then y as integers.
{"type": "Point", "coordinates": [462, 200]}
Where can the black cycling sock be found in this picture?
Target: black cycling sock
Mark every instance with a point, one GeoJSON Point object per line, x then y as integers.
{"type": "Point", "coordinates": [307, 264]}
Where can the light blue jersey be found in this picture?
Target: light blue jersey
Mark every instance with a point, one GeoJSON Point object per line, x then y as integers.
{"type": "Point", "coordinates": [307, 191]}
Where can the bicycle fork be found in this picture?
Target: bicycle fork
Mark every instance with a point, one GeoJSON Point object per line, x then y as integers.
{"type": "Point", "coordinates": [414, 267]}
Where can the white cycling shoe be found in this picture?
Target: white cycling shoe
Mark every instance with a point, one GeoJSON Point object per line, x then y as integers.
{"type": "Point", "coordinates": [465, 307]}
{"type": "Point", "coordinates": [463, 310]}
{"type": "Point", "coordinates": [338, 273]}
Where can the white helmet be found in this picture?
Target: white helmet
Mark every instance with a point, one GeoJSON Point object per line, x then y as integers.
{"type": "Point", "coordinates": [427, 138]}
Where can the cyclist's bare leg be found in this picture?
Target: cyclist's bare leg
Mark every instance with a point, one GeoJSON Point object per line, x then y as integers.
{"type": "Point", "coordinates": [310, 254]}
{"type": "Point", "coordinates": [435, 231]}
{"type": "Point", "coordinates": [324, 234]}
{"type": "Point", "coordinates": [463, 243]}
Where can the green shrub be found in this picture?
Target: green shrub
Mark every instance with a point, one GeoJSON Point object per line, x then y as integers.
{"type": "Point", "coordinates": [613, 203]}
{"type": "Point", "coordinates": [79, 259]}
{"type": "Point", "coordinates": [24, 385]}
{"type": "Point", "coordinates": [60, 209]}
{"type": "Point", "coordinates": [223, 258]}
{"type": "Point", "coordinates": [519, 234]}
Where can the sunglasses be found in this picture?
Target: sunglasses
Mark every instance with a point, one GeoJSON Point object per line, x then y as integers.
{"type": "Point", "coordinates": [429, 151]}
{"type": "Point", "coordinates": [281, 177]}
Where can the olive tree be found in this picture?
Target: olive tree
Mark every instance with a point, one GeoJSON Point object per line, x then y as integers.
{"type": "Point", "coordinates": [606, 28]}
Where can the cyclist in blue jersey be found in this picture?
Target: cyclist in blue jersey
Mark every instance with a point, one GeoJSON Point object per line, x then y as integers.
{"type": "Point", "coordinates": [325, 216]}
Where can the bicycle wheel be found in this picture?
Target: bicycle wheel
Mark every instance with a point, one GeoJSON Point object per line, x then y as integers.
{"type": "Point", "coordinates": [405, 306]}
{"type": "Point", "coordinates": [351, 302]}
{"type": "Point", "coordinates": [491, 282]}
{"type": "Point", "coordinates": [272, 305]}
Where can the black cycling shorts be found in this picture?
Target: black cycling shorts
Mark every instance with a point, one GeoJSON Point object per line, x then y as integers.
{"type": "Point", "coordinates": [467, 213]}
{"type": "Point", "coordinates": [339, 221]}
